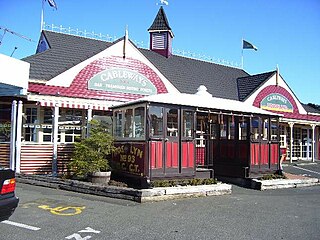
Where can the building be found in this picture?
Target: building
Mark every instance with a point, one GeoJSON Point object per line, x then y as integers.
{"type": "Point", "coordinates": [73, 79]}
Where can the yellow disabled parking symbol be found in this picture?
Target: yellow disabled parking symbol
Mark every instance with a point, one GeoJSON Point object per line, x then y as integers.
{"type": "Point", "coordinates": [63, 210]}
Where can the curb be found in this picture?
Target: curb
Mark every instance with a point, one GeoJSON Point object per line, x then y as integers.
{"type": "Point", "coordinates": [137, 195]}
{"type": "Point", "coordinates": [283, 183]}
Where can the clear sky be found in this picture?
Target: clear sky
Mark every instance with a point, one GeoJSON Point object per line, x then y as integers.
{"type": "Point", "coordinates": [286, 32]}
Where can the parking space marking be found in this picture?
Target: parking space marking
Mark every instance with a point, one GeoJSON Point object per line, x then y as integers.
{"type": "Point", "coordinates": [306, 170]}
{"type": "Point", "coordinates": [21, 225]}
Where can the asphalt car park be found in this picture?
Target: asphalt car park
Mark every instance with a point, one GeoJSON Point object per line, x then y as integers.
{"type": "Point", "coordinates": [46, 213]}
{"type": "Point", "coordinates": [307, 169]}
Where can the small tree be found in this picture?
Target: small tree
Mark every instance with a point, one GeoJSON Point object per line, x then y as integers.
{"type": "Point", "coordinates": [92, 153]}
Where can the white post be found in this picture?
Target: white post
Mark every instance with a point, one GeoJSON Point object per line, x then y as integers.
{"type": "Point", "coordinates": [18, 134]}
{"type": "Point", "coordinates": [291, 140]}
{"type": "Point", "coordinates": [313, 142]}
{"type": "Point", "coordinates": [13, 134]}
{"type": "Point", "coordinates": [89, 118]}
{"type": "Point", "coordinates": [55, 141]}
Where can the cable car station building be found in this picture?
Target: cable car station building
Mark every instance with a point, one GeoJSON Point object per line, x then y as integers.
{"type": "Point", "coordinates": [171, 116]}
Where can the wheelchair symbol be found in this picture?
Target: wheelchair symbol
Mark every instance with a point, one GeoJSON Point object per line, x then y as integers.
{"type": "Point", "coordinates": [63, 210]}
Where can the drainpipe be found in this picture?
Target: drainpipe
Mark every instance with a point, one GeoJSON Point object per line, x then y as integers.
{"type": "Point", "coordinates": [55, 141]}
{"type": "Point", "coordinates": [313, 142]}
{"type": "Point", "coordinates": [291, 140]}
{"type": "Point", "coordinates": [13, 134]}
{"type": "Point", "coordinates": [18, 135]}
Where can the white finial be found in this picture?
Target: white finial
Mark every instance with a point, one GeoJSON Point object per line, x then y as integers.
{"type": "Point", "coordinates": [202, 91]}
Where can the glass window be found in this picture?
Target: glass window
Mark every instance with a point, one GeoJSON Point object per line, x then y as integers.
{"type": "Point", "coordinates": [156, 121]}
{"type": "Point", "coordinates": [139, 122]}
{"type": "Point", "coordinates": [243, 129]}
{"type": "Point", "coordinates": [274, 130]}
{"type": "Point", "coordinates": [128, 123]}
{"type": "Point", "coordinates": [223, 126]}
{"type": "Point", "coordinates": [118, 123]}
{"type": "Point", "coordinates": [187, 125]}
{"type": "Point", "coordinates": [172, 122]}
{"type": "Point", "coordinates": [264, 128]}
{"type": "Point", "coordinates": [31, 121]}
{"type": "Point", "coordinates": [231, 130]}
{"type": "Point", "coordinates": [255, 128]}
{"type": "Point", "coordinates": [214, 126]}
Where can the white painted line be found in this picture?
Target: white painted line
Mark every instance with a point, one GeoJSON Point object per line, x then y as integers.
{"type": "Point", "coordinates": [306, 170]}
{"type": "Point", "coordinates": [21, 225]}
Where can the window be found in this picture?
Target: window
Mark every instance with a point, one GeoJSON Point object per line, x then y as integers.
{"type": "Point", "coordinates": [255, 128]}
{"type": "Point", "coordinates": [156, 121]}
{"type": "Point", "coordinates": [31, 121]}
{"type": "Point", "coordinates": [139, 120]}
{"type": "Point", "coordinates": [264, 128]}
{"type": "Point", "coordinates": [128, 123]}
{"type": "Point", "coordinates": [187, 125]}
{"type": "Point", "coordinates": [172, 122]}
{"type": "Point", "coordinates": [243, 129]}
{"type": "Point", "coordinates": [118, 123]}
{"type": "Point", "coordinates": [223, 127]}
{"type": "Point", "coordinates": [274, 130]}
{"type": "Point", "coordinates": [231, 130]}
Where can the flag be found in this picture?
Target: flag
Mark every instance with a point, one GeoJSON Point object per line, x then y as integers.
{"type": "Point", "coordinates": [52, 3]}
{"type": "Point", "coordinates": [164, 2]}
{"type": "Point", "coordinates": [247, 45]}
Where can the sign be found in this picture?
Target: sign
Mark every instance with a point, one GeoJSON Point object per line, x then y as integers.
{"type": "Point", "coordinates": [123, 81]}
{"type": "Point", "coordinates": [129, 158]}
{"type": "Point", "coordinates": [276, 102]}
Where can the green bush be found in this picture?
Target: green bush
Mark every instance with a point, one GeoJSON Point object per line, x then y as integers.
{"type": "Point", "coordinates": [183, 182]}
{"type": "Point", "coordinates": [92, 153]}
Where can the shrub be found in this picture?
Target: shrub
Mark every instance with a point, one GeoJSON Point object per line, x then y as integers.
{"type": "Point", "coordinates": [92, 153]}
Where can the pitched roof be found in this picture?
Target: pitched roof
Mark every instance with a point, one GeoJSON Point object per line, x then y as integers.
{"type": "Point", "coordinates": [66, 51]}
{"type": "Point", "coordinates": [160, 22]}
{"type": "Point", "coordinates": [248, 84]}
{"type": "Point", "coordinates": [310, 109]}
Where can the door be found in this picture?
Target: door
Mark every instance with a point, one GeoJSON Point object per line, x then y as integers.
{"type": "Point", "coordinates": [306, 147]}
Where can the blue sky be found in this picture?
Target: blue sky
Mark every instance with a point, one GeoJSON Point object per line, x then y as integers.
{"type": "Point", "coordinates": [286, 32]}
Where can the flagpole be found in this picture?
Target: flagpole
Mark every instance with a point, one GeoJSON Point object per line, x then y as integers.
{"type": "Point", "coordinates": [242, 53]}
{"type": "Point", "coordinates": [41, 24]}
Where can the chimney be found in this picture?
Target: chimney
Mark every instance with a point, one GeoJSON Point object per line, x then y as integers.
{"type": "Point", "coordinates": [161, 35]}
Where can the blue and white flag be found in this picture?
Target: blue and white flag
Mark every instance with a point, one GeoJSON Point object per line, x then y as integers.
{"type": "Point", "coordinates": [53, 4]}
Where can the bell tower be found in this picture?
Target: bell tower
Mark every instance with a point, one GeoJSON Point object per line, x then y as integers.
{"type": "Point", "coordinates": [161, 35]}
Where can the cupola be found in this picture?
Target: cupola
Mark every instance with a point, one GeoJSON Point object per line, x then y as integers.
{"type": "Point", "coordinates": [161, 35]}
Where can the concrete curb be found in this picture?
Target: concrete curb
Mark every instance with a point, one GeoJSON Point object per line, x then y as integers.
{"type": "Point", "coordinates": [137, 195]}
{"type": "Point", "coordinates": [283, 183]}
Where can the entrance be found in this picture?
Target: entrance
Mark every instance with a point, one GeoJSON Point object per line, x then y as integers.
{"type": "Point", "coordinates": [306, 144]}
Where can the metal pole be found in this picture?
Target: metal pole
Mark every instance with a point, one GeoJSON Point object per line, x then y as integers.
{"type": "Point", "coordinates": [18, 134]}
{"type": "Point", "coordinates": [55, 141]}
{"type": "Point", "coordinates": [13, 134]}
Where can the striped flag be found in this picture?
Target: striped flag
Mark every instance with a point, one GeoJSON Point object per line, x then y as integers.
{"type": "Point", "coordinates": [247, 45]}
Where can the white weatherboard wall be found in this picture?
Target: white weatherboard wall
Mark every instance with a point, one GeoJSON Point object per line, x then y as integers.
{"type": "Point", "coordinates": [14, 72]}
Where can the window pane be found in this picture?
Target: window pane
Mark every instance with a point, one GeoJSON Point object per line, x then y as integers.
{"type": "Point", "coordinates": [128, 124]}
{"type": "Point", "coordinates": [118, 123]}
{"type": "Point", "coordinates": [139, 122]}
{"type": "Point", "coordinates": [223, 127]}
{"type": "Point", "coordinates": [231, 127]}
{"type": "Point", "coordinates": [156, 121]}
{"type": "Point", "coordinates": [187, 125]}
{"type": "Point", "coordinates": [172, 122]}
{"type": "Point", "coordinates": [243, 128]}
{"type": "Point", "coordinates": [274, 130]}
{"type": "Point", "coordinates": [255, 128]}
{"type": "Point", "coordinates": [264, 127]}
